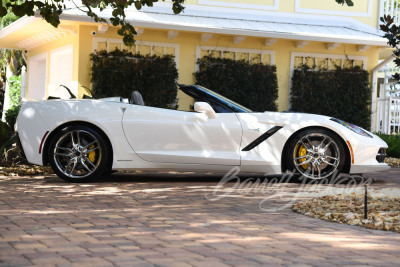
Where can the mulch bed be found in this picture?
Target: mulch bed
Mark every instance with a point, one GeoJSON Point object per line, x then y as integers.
{"type": "Point", "coordinates": [393, 162]}
{"type": "Point", "coordinates": [25, 170]}
{"type": "Point", "coordinates": [383, 209]}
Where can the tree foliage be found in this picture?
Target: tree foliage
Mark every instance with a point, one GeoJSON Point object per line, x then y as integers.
{"type": "Point", "coordinates": [10, 58]}
{"type": "Point", "coordinates": [14, 90]}
{"type": "Point", "coordinates": [347, 2]}
{"type": "Point", "coordinates": [392, 34]}
{"type": "Point", "coordinates": [15, 96]}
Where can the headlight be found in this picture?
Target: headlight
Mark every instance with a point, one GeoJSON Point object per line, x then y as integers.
{"type": "Point", "coordinates": [352, 127]}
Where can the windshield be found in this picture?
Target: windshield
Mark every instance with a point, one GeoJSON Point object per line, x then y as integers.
{"type": "Point", "coordinates": [227, 100]}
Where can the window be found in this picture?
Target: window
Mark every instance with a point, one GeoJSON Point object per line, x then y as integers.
{"type": "Point", "coordinates": [326, 61]}
{"type": "Point", "coordinates": [252, 56]}
{"type": "Point", "coordinates": [142, 47]}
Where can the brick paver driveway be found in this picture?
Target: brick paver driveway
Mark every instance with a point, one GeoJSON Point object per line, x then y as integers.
{"type": "Point", "coordinates": [130, 221]}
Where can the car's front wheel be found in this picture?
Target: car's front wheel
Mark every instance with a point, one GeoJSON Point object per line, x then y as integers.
{"type": "Point", "coordinates": [78, 153]}
{"type": "Point", "coordinates": [316, 154]}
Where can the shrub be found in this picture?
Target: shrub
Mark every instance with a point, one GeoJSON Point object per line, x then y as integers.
{"type": "Point", "coordinates": [14, 90]}
{"type": "Point", "coordinates": [342, 93]}
{"type": "Point", "coordinates": [5, 133]}
{"type": "Point", "coordinates": [1, 100]}
{"type": "Point", "coordinates": [393, 142]}
{"type": "Point", "coordinates": [11, 116]}
{"type": "Point", "coordinates": [252, 85]}
{"type": "Point", "coordinates": [118, 73]}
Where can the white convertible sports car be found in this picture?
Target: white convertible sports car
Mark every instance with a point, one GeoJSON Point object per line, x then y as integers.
{"type": "Point", "coordinates": [83, 139]}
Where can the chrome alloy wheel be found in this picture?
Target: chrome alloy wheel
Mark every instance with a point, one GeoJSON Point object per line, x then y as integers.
{"type": "Point", "coordinates": [316, 156]}
{"type": "Point", "coordinates": [77, 154]}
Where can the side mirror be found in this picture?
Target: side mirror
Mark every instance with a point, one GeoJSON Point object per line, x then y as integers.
{"type": "Point", "coordinates": [204, 107]}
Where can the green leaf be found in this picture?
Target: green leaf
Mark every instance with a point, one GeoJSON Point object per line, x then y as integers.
{"type": "Point", "coordinates": [18, 10]}
{"type": "Point", "coordinates": [138, 5]}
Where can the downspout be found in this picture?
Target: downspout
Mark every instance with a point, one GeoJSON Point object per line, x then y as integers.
{"type": "Point", "coordinates": [375, 89]}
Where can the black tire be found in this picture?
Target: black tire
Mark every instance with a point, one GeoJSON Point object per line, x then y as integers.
{"type": "Point", "coordinates": [78, 153]}
{"type": "Point", "coordinates": [316, 154]}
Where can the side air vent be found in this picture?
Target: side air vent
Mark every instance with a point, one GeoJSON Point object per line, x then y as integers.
{"type": "Point", "coordinates": [381, 155]}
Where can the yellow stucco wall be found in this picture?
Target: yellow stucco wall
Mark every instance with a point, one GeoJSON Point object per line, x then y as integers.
{"type": "Point", "coordinates": [47, 48]}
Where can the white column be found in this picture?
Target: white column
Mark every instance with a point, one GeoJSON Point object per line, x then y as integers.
{"type": "Point", "coordinates": [23, 82]}
{"type": "Point", "coordinates": [375, 88]}
{"type": "Point", "coordinates": [6, 104]}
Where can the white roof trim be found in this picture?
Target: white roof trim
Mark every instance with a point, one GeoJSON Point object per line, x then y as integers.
{"type": "Point", "coordinates": [308, 29]}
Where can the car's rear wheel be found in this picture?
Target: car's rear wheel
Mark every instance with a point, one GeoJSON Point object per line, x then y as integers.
{"type": "Point", "coordinates": [78, 153]}
{"type": "Point", "coordinates": [316, 154]}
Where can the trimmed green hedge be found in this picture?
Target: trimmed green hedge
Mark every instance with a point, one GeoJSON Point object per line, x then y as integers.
{"type": "Point", "coordinates": [393, 142]}
{"type": "Point", "coordinates": [118, 73]}
{"type": "Point", "coordinates": [343, 93]}
{"type": "Point", "coordinates": [252, 85]}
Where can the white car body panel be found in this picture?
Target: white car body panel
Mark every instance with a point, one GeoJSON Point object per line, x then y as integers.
{"type": "Point", "coordinates": [172, 136]}
{"type": "Point", "coordinates": [146, 138]}
{"type": "Point", "coordinates": [364, 148]}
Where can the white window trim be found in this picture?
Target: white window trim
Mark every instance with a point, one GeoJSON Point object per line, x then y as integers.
{"type": "Point", "coordinates": [97, 40]}
{"type": "Point", "coordinates": [368, 14]}
{"type": "Point", "coordinates": [293, 55]}
{"type": "Point", "coordinates": [238, 5]}
{"type": "Point", "coordinates": [271, 53]}
{"type": "Point", "coordinates": [44, 56]}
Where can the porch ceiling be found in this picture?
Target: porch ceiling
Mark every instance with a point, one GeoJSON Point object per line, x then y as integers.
{"type": "Point", "coordinates": [30, 32]}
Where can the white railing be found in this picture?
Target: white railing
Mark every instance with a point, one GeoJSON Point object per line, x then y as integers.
{"type": "Point", "coordinates": [388, 109]}
{"type": "Point", "coordinates": [390, 7]}
{"type": "Point", "coordinates": [389, 70]}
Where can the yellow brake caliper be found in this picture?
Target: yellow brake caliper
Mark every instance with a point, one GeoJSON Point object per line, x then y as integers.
{"type": "Point", "coordinates": [302, 152]}
{"type": "Point", "coordinates": [92, 154]}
